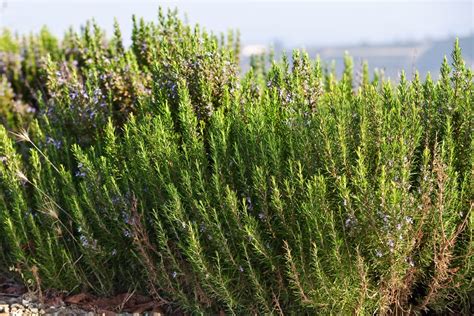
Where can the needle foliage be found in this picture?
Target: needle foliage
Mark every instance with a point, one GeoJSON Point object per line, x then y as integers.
{"type": "Point", "coordinates": [160, 168]}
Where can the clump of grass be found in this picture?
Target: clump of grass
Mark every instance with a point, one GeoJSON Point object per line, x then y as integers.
{"type": "Point", "coordinates": [285, 190]}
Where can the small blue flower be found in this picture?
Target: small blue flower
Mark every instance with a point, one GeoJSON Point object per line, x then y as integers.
{"type": "Point", "coordinates": [115, 200]}
{"type": "Point", "coordinates": [55, 143]}
{"type": "Point", "coordinates": [127, 233]}
{"type": "Point", "coordinates": [385, 218]}
{"type": "Point", "coordinates": [126, 218]}
{"type": "Point", "coordinates": [391, 244]}
{"type": "Point", "coordinates": [249, 203]}
{"type": "Point", "coordinates": [73, 95]}
{"type": "Point", "coordinates": [351, 221]}
{"type": "Point", "coordinates": [80, 174]}
{"type": "Point", "coordinates": [84, 241]}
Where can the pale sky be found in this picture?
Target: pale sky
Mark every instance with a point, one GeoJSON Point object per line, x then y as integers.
{"type": "Point", "coordinates": [295, 23]}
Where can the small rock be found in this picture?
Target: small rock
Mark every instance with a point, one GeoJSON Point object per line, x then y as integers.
{"type": "Point", "coordinates": [4, 308]}
{"type": "Point", "coordinates": [34, 310]}
{"type": "Point", "coordinates": [16, 307]}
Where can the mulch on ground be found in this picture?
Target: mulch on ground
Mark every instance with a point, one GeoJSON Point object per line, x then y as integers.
{"type": "Point", "coordinates": [17, 300]}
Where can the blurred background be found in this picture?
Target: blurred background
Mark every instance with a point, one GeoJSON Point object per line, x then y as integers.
{"type": "Point", "coordinates": [390, 34]}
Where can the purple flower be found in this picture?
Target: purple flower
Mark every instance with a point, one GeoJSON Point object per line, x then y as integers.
{"type": "Point", "coordinates": [84, 240]}
{"type": "Point", "coordinates": [351, 221]}
{"type": "Point", "coordinates": [385, 218]}
{"type": "Point", "coordinates": [55, 143]}
{"type": "Point", "coordinates": [80, 172]}
{"type": "Point", "coordinates": [126, 218]}
{"type": "Point", "coordinates": [174, 274]}
{"type": "Point", "coordinates": [115, 200]}
{"type": "Point", "coordinates": [241, 269]}
{"type": "Point", "coordinates": [249, 203]}
{"type": "Point", "coordinates": [92, 114]}
{"type": "Point", "coordinates": [378, 253]}
{"type": "Point", "coordinates": [73, 95]}
{"type": "Point", "coordinates": [97, 92]}
{"type": "Point", "coordinates": [391, 244]}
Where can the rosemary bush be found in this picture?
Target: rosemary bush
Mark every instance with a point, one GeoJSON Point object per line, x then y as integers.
{"type": "Point", "coordinates": [159, 168]}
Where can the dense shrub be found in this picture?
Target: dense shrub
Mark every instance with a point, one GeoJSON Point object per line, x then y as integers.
{"type": "Point", "coordinates": [158, 168]}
